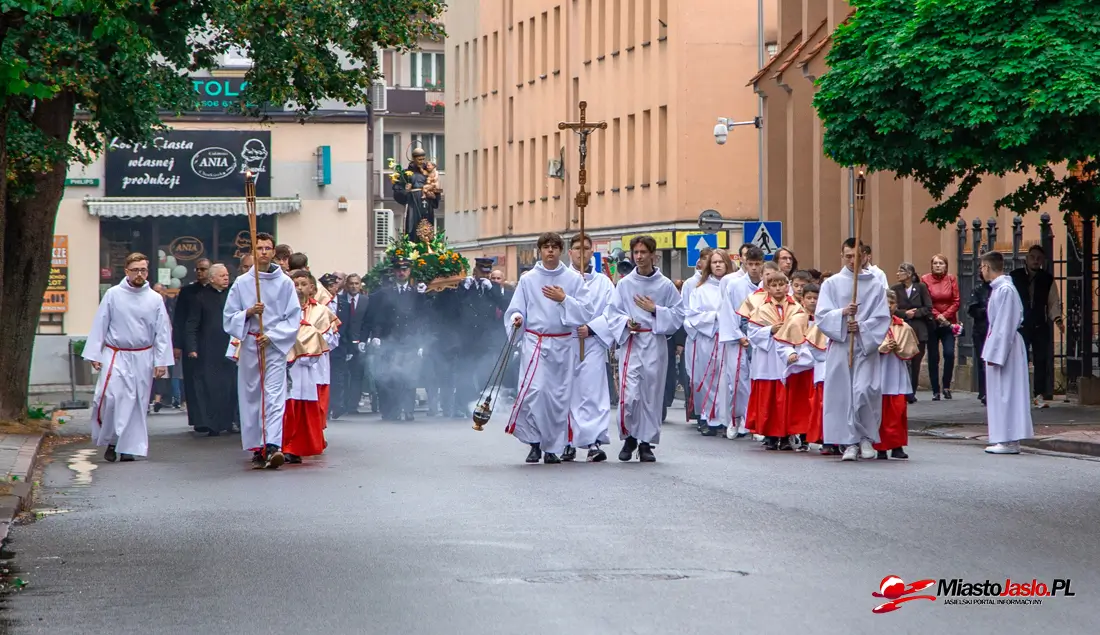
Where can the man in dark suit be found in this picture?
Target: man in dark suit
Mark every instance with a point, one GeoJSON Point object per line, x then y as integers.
{"type": "Point", "coordinates": [394, 328]}
{"type": "Point", "coordinates": [1042, 310]}
{"type": "Point", "coordinates": [349, 358]}
{"type": "Point", "coordinates": [483, 305]}
{"type": "Point", "coordinates": [184, 300]}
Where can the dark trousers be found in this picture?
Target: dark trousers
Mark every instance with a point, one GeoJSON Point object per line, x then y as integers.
{"type": "Point", "coordinates": [345, 381]}
{"type": "Point", "coordinates": [671, 376]}
{"type": "Point", "coordinates": [189, 367]}
{"type": "Point", "coordinates": [1038, 341]}
{"type": "Point", "coordinates": [444, 379]}
{"type": "Point", "coordinates": [937, 336]}
{"type": "Point", "coordinates": [914, 365]}
{"type": "Point", "coordinates": [978, 341]}
{"type": "Point", "coordinates": [395, 379]}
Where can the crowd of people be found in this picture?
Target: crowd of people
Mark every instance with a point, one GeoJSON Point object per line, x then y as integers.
{"type": "Point", "coordinates": [791, 356]}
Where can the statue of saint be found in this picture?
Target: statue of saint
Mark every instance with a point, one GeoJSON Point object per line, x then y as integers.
{"type": "Point", "coordinates": [420, 194]}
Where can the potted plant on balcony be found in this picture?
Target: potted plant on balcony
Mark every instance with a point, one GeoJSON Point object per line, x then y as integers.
{"type": "Point", "coordinates": [433, 86]}
{"type": "Point", "coordinates": [433, 106]}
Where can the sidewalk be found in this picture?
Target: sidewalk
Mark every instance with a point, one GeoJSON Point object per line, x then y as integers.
{"type": "Point", "coordinates": [1062, 427]}
{"type": "Point", "coordinates": [18, 457]}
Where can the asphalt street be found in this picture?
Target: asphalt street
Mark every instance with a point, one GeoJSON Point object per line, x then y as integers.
{"type": "Point", "coordinates": [429, 527]}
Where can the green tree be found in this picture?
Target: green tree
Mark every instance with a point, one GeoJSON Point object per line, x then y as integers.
{"type": "Point", "coordinates": [950, 91]}
{"type": "Point", "coordinates": [76, 72]}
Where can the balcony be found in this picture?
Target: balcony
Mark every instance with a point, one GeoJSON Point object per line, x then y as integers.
{"type": "Point", "coordinates": [413, 101]}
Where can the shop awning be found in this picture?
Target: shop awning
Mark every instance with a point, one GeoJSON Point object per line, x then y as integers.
{"type": "Point", "coordinates": [119, 207]}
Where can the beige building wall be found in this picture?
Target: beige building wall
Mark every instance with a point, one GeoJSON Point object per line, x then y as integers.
{"type": "Point", "coordinates": [658, 72]}
{"type": "Point", "coordinates": [333, 239]}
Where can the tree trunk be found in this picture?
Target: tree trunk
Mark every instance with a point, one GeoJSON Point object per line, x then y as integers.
{"type": "Point", "coordinates": [25, 260]}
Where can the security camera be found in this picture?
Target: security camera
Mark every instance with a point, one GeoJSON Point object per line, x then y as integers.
{"type": "Point", "coordinates": [721, 132]}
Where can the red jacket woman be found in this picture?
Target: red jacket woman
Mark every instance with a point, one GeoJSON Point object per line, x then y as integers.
{"type": "Point", "coordinates": [944, 289]}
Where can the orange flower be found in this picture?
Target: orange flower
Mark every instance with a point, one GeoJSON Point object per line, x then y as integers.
{"type": "Point", "coordinates": [420, 262]}
{"type": "Point", "coordinates": [399, 252]}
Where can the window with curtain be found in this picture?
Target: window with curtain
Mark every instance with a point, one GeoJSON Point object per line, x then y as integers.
{"type": "Point", "coordinates": [435, 148]}
{"type": "Point", "coordinates": [426, 69]}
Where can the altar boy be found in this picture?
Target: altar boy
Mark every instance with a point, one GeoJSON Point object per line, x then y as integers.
{"type": "Point", "coordinates": [1008, 408]}
{"type": "Point", "coordinates": [897, 349]}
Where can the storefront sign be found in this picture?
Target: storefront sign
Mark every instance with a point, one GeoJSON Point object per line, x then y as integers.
{"type": "Point", "coordinates": [186, 248]}
{"type": "Point", "coordinates": [191, 163]}
{"type": "Point", "coordinates": [664, 240]}
{"type": "Point", "coordinates": [219, 94]}
{"type": "Point", "coordinates": [682, 239]}
{"type": "Point", "coordinates": [81, 182]}
{"type": "Point", "coordinates": [56, 298]}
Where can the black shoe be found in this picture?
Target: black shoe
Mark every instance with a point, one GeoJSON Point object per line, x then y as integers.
{"type": "Point", "coordinates": [629, 446]}
{"type": "Point", "coordinates": [936, 397]}
{"type": "Point", "coordinates": [898, 453]}
{"type": "Point", "coordinates": [570, 454]}
{"type": "Point", "coordinates": [596, 455]}
{"type": "Point", "coordinates": [273, 458]}
{"type": "Point", "coordinates": [982, 399]}
{"type": "Point", "coordinates": [709, 431]}
{"type": "Point", "coordinates": [125, 458]}
{"type": "Point", "coordinates": [946, 394]}
{"type": "Point", "coordinates": [258, 460]}
{"type": "Point", "coordinates": [550, 458]}
{"type": "Point", "coordinates": [785, 445]}
{"type": "Point", "coordinates": [110, 454]}
{"type": "Point", "coordinates": [157, 406]}
{"type": "Point", "coordinates": [535, 454]}
{"type": "Point", "coordinates": [645, 453]}
{"type": "Point", "coordinates": [910, 399]}
{"type": "Point", "coordinates": [882, 456]}
{"type": "Point", "coordinates": [334, 416]}
{"type": "Point", "coordinates": [771, 443]}
{"type": "Point", "coordinates": [214, 433]}
{"type": "Point", "coordinates": [292, 459]}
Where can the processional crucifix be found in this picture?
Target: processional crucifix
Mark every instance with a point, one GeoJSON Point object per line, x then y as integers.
{"type": "Point", "coordinates": [583, 129]}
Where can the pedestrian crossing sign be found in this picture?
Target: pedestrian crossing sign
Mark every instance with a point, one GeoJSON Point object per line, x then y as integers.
{"type": "Point", "coordinates": [698, 243]}
{"type": "Point", "coordinates": [767, 235]}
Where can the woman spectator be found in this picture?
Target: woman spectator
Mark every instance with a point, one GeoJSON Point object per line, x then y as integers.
{"type": "Point", "coordinates": [788, 264]}
{"type": "Point", "coordinates": [914, 305]}
{"type": "Point", "coordinates": [944, 289]}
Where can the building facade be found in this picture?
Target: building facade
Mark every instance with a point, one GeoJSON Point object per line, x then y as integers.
{"type": "Point", "coordinates": [657, 72]}
{"type": "Point", "coordinates": [409, 107]}
{"type": "Point", "coordinates": [181, 198]}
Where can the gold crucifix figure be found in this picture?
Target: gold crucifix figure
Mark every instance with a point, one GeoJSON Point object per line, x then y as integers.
{"type": "Point", "coordinates": [583, 129]}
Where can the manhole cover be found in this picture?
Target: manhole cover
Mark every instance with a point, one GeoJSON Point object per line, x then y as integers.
{"type": "Point", "coordinates": [632, 575]}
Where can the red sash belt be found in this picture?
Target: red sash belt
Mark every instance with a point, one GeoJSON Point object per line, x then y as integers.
{"type": "Point", "coordinates": [107, 381]}
{"type": "Point", "coordinates": [542, 335]}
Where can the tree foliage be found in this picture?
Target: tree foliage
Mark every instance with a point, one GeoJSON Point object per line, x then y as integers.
{"type": "Point", "coordinates": [76, 72]}
{"type": "Point", "coordinates": [950, 91]}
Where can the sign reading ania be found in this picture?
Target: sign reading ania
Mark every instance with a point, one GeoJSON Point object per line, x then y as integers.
{"type": "Point", "coordinates": [190, 163]}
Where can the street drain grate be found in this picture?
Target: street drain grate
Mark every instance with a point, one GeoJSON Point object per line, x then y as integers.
{"type": "Point", "coordinates": [630, 575]}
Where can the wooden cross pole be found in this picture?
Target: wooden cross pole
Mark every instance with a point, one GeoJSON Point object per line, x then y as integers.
{"type": "Point", "coordinates": [857, 264]}
{"type": "Point", "coordinates": [583, 128]}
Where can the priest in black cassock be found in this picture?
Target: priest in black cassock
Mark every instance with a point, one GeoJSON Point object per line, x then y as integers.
{"type": "Point", "coordinates": [204, 343]}
{"type": "Point", "coordinates": [398, 327]}
{"type": "Point", "coordinates": [184, 301]}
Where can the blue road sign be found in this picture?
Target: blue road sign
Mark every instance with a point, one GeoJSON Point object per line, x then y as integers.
{"type": "Point", "coordinates": [767, 235]}
{"type": "Point", "coordinates": [695, 244]}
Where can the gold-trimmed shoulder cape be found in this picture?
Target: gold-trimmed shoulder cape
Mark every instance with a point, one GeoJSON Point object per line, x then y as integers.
{"type": "Point", "coordinates": [903, 334]}
{"type": "Point", "coordinates": [753, 302]}
{"type": "Point", "coordinates": [317, 320]}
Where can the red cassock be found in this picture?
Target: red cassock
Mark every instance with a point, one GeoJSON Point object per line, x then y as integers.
{"type": "Point", "coordinates": [303, 427]}
{"type": "Point", "coordinates": [894, 431]}
{"type": "Point", "coordinates": [799, 401]}
{"type": "Point", "coordinates": [767, 410]}
{"type": "Point", "coordinates": [322, 398]}
{"type": "Point", "coordinates": [816, 434]}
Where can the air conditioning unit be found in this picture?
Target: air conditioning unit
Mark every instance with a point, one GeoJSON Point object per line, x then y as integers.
{"type": "Point", "coordinates": [383, 227]}
{"type": "Point", "coordinates": [378, 96]}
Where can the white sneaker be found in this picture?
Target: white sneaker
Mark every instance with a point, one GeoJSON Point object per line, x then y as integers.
{"type": "Point", "coordinates": [851, 453]}
{"type": "Point", "coordinates": [1012, 447]}
{"type": "Point", "coordinates": [731, 432]}
{"type": "Point", "coordinates": [866, 450]}
{"type": "Point", "coordinates": [1039, 403]}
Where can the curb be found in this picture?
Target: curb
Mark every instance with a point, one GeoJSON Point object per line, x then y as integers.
{"type": "Point", "coordinates": [12, 504]}
{"type": "Point", "coordinates": [1061, 446]}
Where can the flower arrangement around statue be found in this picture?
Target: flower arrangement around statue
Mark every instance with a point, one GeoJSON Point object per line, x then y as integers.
{"type": "Point", "coordinates": [433, 262]}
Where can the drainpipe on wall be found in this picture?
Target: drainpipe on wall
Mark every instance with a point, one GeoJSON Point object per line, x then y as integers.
{"type": "Point", "coordinates": [761, 53]}
{"type": "Point", "coordinates": [370, 187]}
